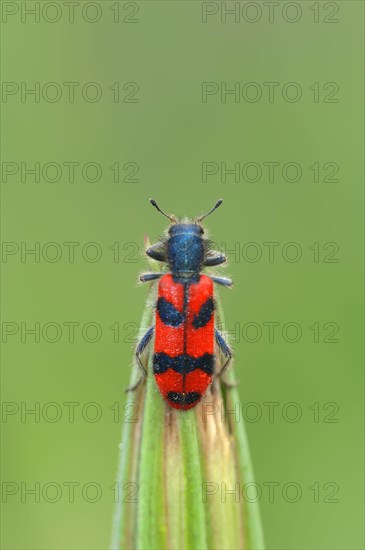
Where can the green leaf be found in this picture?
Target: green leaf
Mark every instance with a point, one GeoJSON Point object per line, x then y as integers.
{"type": "Point", "coordinates": [188, 468]}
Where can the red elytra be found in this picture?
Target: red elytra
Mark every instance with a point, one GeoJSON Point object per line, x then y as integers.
{"type": "Point", "coordinates": [184, 351]}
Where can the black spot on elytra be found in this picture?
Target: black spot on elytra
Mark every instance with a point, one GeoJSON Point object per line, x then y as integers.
{"type": "Point", "coordinates": [183, 364]}
{"type": "Point", "coordinates": [205, 314]}
{"type": "Point", "coordinates": [183, 398]}
{"type": "Point", "coordinates": [168, 313]}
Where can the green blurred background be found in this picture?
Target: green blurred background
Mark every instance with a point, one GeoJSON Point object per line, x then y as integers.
{"type": "Point", "coordinates": [168, 132]}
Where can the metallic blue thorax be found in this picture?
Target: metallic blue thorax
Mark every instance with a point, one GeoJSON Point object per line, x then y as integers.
{"type": "Point", "coordinates": [185, 248]}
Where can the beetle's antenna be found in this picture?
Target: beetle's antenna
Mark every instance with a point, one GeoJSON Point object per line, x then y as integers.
{"type": "Point", "coordinates": [217, 205]}
{"type": "Point", "coordinates": [171, 218]}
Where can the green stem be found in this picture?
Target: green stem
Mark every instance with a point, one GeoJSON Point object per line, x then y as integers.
{"type": "Point", "coordinates": [254, 536]}
{"type": "Point", "coordinates": [172, 457]}
{"type": "Point", "coordinates": [151, 525]}
{"type": "Point", "coordinates": [195, 525]}
{"type": "Point", "coordinates": [123, 532]}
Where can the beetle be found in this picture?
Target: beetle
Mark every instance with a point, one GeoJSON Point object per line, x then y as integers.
{"type": "Point", "coordinates": [184, 328]}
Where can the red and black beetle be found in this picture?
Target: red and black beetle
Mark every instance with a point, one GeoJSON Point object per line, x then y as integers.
{"type": "Point", "coordinates": [184, 328]}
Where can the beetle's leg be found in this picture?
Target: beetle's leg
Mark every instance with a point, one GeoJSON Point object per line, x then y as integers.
{"type": "Point", "coordinates": [135, 386]}
{"type": "Point", "coordinates": [225, 349]}
{"type": "Point", "coordinates": [157, 252]}
{"type": "Point", "coordinates": [147, 277]}
{"type": "Point", "coordinates": [224, 281]}
{"type": "Point", "coordinates": [215, 258]}
{"type": "Point", "coordinates": [143, 343]}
